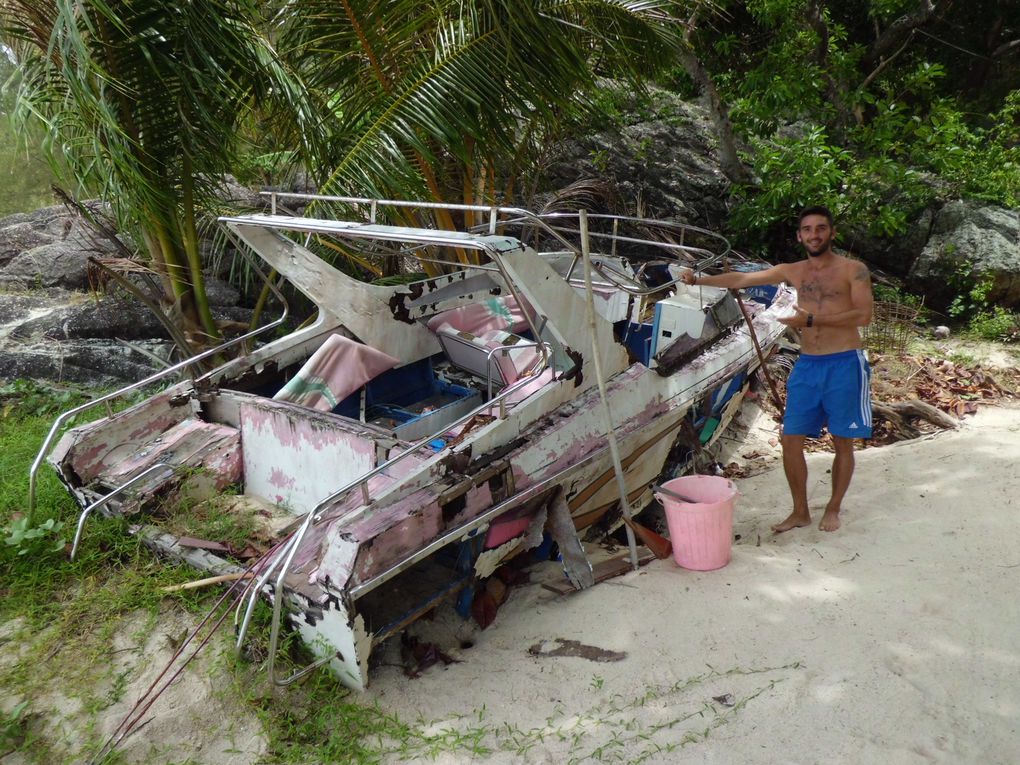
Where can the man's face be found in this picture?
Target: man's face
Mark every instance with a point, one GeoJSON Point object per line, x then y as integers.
{"type": "Point", "coordinates": [816, 234]}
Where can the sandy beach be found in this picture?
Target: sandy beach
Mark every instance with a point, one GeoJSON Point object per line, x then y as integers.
{"type": "Point", "coordinates": [893, 640]}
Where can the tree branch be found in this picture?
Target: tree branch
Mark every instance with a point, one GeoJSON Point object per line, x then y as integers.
{"type": "Point", "coordinates": [1005, 48]}
{"type": "Point", "coordinates": [816, 21]}
{"type": "Point", "coordinates": [892, 35]}
{"type": "Point", "coordinates": [886, 61]}
{"type": "Point", "coordinates": [729, 158]}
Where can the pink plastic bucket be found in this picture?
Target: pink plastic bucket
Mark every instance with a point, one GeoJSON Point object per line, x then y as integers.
{"type": "Point", "coordinates": [702, 531]}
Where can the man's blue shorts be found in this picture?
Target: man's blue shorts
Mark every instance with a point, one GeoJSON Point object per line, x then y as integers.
{"type": "Point", "coordinates": [831, 389]}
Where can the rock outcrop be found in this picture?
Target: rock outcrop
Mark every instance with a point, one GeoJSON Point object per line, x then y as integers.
{"type": "Point", "coordinates": [970, 242]}
{"type": "Point", "coordinates": [55, 326]}
{"type": "Point", "coordinates": [662, 157]}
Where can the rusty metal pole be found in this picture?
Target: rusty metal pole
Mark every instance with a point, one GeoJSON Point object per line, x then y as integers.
{"type": "Point", "coordinates": [757, 347]}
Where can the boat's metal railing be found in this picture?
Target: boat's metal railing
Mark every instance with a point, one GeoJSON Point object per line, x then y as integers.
{"type": "Point", "coordinates": [157, 467]}
{"type": "Point", "coordinates": [187, 364]}
{"type": "Point", "coordinates": [702, 255]}
{"type": "Point", "coordinates": [520, 217]}
{"type": "Point", "coordinates": [289, 549]}
{"type": "Point", "coordinates": [505, 351]}
{"type": "Point", "coordinates": [550, 223]}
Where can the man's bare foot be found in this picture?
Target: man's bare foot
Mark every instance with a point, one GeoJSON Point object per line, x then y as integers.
{"type": "Point", "coordinates": [830, 521]}
{"type": "Point", "coordinates": [794, 521]}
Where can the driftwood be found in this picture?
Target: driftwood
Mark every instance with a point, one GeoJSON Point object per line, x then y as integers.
{"type": "Point", "coordinates": [900, 413]}
{"type": "Point", "coordinates": [206, 582]}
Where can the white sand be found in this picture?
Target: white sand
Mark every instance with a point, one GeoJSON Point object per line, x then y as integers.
{"type": "Point", "coordinates": [893, 640]}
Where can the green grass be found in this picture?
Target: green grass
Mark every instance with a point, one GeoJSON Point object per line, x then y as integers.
{"type": "Point", "coordinates": [207, 520]}
{"type": "Point", "coordinates": [60, 616]}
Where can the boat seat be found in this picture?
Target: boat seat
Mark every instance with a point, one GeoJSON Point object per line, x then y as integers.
{"type": "Point", "coordinates": [470, 352]}
{"type": "Point", "coordinates": [469, 332]}
{"type": "Point", "coordinates": [338, 368]}
{"type": "Point", "coordinates": [192, 443]}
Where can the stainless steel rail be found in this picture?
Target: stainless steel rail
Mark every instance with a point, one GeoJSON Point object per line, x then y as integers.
{"type": "Point", "coordinates": [159, 466]}
{"type": "Point", "coordinates": [547, 222]}
{"type": "Point", "coordinates": [59, 423]}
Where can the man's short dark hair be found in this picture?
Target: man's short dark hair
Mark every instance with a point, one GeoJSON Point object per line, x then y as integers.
{"type": "Point", "coordinates": [815, 210]}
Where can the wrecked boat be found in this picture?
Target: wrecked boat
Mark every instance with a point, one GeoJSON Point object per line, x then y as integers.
{"type": "Point", "coordinates": [408, 438]}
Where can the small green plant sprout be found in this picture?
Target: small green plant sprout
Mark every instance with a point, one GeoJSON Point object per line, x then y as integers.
{"type": "Point", "coordinates": [11, 729]}
{"type": "Point", "coordinates": [596, 682]}
{"type": "Point", "coordinates": [600, 159]}
{"type": "Point", "coordinates": [37, 540]}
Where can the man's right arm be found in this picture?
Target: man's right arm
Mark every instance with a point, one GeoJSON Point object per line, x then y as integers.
{"type": "Point", "coordinates": [736, 280]}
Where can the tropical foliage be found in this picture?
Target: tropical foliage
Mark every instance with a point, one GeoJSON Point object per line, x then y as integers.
{"type": "Point", "coordinates": [874, 106]}
{"type": "Point", "coordinates": [142, 102]}
{"type": "Point", "coordinates": [457, 101]}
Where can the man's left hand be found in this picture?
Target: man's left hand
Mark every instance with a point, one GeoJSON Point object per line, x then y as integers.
{"type": "Point", "coordinates": [798, 320]}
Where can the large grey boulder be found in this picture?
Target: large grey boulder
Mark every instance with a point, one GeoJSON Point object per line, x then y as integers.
{"type": "Point", "coordinates": [17, 237]}
{"type": "Point", "coordinates": [72, 337]}
{"type": "Point", "coordinates": [93, 362]}
{"type": "Point", "coordinates": [59, 264]}
{"type": "Point", "coordinates": [895, 255]}
{"type": "Point", "coordinates": [76, 315]}
{"type": "Point", "coordinates": [663, 155]}
{"type": "Point", "coordinates": [48, 248]}
{"type": "Point", "coordinates": [969, 242]}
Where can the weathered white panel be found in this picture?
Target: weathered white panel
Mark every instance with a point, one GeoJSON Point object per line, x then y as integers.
{"type": "Point", "coordinates": [295, 461]}
{"type": "Point", "coordinates": [342, 636]}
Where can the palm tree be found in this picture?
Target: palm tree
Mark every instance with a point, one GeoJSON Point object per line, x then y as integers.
{"type": "Point", "coordinates": [454, 100]}
{"type": "Point", "coordinates": [142, 101]}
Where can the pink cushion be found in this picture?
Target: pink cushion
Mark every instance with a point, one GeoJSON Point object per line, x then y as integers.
{"type": "Point", "coordinates": [338, 368]}
{"type": "Point", "coordinates": [493, 313]}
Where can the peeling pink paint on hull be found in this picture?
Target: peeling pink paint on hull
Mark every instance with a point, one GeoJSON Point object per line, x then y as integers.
{"type": "Point", "coordinates": [89, 462]}
{"type": "Point", "coordinates": [396, 543]}
{"type": "Point", "coordinates": [299, 428]}
{"type": "Point", "coordinates": [226, 464]}
{"type": "Point", "coordinates": [280, 479]}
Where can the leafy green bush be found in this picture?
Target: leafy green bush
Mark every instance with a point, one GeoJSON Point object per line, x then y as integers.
{"type": "Point", "coordinates": [12, 735]}
{"type": "Point", "coordinates": [996, 324]}
{"type": "Point", "coordinates": [794, 172]}
{"type": "Point", "coordinates": [874, 193]}
{"type": "Point", "coordinates": [28, 398]}
{"type": "Point", "coordinates": [972, 294]}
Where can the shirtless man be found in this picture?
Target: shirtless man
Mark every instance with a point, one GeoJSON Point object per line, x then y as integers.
{"type": "Point", "coordinates": [830, 383]}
